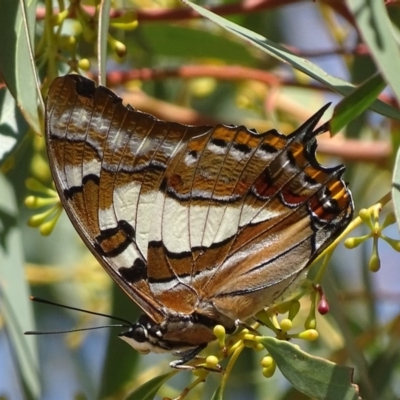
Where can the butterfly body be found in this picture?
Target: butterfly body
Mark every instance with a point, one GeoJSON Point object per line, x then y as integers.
{"type": "Point", "coordinates": [198, 225]}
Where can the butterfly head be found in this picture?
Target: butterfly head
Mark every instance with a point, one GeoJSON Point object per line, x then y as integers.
{"type": "Point", "coordinates": [145, 336]}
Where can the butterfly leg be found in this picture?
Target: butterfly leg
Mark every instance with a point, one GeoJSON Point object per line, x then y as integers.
{"type": "Point", "coordinates": [188, 355]}
{"type": "Point", "coordinates": [244, 325]}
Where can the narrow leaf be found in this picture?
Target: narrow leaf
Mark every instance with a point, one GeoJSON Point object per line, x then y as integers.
{"type": "Point", "coordinates": [120, 356]}
{"type": "Point", "coordinates": [358, 101]}
{"type": "Point", "coordinates": [396, 187]}
{"type": "Point", "coordinates": [313, 376]}
{"type": "Point", "coordinates": [14, 292]}
{"type": "Point", "coordinates": [149, 390]}
{"type": "Point", "coordinates": [336, 84]}
{"type": "Point", "coordinates": [376, 29]}
{"type": "Point", "coordinates": [218, 394]}
{"type": "Point", "coordinates": [159, 37]}
{"type": "Point", "coordinates": [12, 125]}
{"type": "Point", "coordinates": [17, 62]}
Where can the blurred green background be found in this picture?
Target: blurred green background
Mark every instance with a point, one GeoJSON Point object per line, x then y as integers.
{"type": "Point", "coordinates": [190, 70]}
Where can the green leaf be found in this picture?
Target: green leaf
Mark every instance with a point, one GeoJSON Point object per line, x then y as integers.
{"type": "Point", "coordinates": [396, 187]}
{"type": "Point", "coordinates": [12, 125]}
{"type": "Point", "coordinates": [358, 101]}
{"type": "Point", "coordinates": [17, 61]}
{"type": "Point", "coordinates": [218, 394]}
{"type": "Point", "coordinates": [120, 356]}
{"type": "Point", "coordinates": [376, 29]}
{"type": "Point", "coordinates": [14, 293]}
{"type": "Point", "coordinates": [284, 55]}
{"type": "Point", "coordinates": [384, 367]}
{"type": "Point", "coordinates": [149, 390]}
{"type": "Point", "coordinates": [313, 376]}
{"type": "Point", "coordinates": [177, 41]}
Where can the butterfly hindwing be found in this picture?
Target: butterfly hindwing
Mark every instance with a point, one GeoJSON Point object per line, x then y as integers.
{"type": "Point", "coordinates": [257, 209]}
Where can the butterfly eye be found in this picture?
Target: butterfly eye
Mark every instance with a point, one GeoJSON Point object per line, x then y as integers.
{"type": "Point", "coordinates": [138, 333]}
{"type": "Point", "coordinates": [137, 337]}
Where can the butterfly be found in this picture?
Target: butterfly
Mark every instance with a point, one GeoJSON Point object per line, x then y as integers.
{"type": "Point", "coordinates": [198, 225]}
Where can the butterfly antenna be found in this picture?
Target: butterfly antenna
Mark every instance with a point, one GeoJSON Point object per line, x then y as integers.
{"type": "Point", "coordinates": [126, 323]}
{"type": "Point", "coordinates": [73, 330]}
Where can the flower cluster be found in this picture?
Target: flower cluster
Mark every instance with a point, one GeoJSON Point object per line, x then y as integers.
{"type": "Point", "coordinates": [46, 220]}
{"type": "Point", "coordinates": [370, 217]}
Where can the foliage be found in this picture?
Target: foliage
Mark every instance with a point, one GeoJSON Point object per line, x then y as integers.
{"type": "Point", "coordinates": [197, 67]}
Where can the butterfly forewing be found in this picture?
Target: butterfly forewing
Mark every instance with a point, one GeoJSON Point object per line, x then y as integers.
{"type": "Point", "coordinates": [108, 170]}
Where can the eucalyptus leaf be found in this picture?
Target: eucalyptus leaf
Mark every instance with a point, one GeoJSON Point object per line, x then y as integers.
{"type": "Point", "coordinates": [120, 356]}
{"type": "Point", "coordinates": [17, 62]}
{"type": "Point", "coordinates": [13, 126]}
{"type": "Point", "coordinates": [177, 41]}
{"type": "Point", "coordinates": [14, 292]}
{"type": "Point", "coordinates": [311, 375]}
{"type": "Point", "coordinates": [376, 29]}
{"type": "Point", "coordinates": [358, 101]}
{"type": "Point", "coordinates": [284, 55]}
{"type": "Point", "coordinates": [396, 187]}
{"type": "Point", "coordinates": [149, 390]}
{"type": "Point", "coordinates": [218, 394]}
